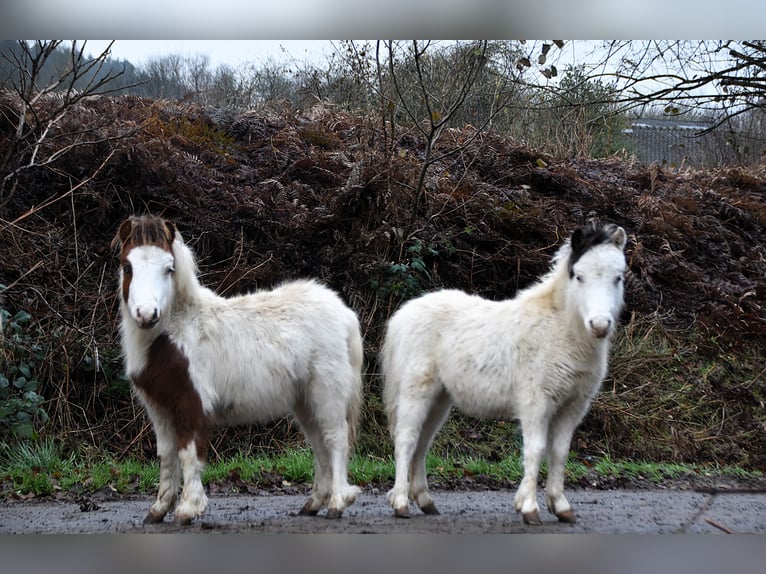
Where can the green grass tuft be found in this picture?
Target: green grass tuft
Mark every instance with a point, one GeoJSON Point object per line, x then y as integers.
{"type": "Point", "coordinates": [38, 468]}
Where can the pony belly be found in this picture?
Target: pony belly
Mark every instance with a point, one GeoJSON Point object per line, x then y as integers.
{"type": "Point", "coordinates": [483, 397]}
{"type": "Point", "coordinates": [251, 407]}
{"type": "Point", "coordinates": [505, 410]}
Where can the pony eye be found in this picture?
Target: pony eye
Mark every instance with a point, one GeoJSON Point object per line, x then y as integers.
{"type": "Point", "coordinates": [127, 269]}
{"type": "Point", "coordinates": [580, 278]}
{"type": "Point", "coordinates": [170, 270]}
{"type": "Point", "coordinates": [618, 280]}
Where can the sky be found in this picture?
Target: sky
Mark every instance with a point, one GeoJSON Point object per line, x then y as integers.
{"type": "Point", "coordinates": [231, 52]}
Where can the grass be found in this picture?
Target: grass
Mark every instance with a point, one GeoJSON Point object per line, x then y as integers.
{"type": "Point", "coordinates": [39, 469]}
{"type": "Point", "coordinates": [677, 395]}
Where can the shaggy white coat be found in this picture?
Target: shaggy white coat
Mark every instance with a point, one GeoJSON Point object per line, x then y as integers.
{"type": "Point", "coordinates": [296, 349]}
{"type": "Point", "coordinates": [539, 358]}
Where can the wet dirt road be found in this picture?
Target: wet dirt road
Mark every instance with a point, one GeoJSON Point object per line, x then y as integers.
{"type": "Point", "coordinates": [472, 512]}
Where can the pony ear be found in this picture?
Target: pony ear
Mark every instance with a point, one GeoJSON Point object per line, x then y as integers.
{"type": "Point", "coordinates": [576, 240]}
{"type": "Point", "coordinates": [619, 238]}
{"type": "Point", "coordinates": [170, 231]}
{"type": "Point", "coordinates": [123, 233]}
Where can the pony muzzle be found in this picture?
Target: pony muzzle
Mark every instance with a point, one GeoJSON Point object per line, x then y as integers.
{"type": "Point", "coordinates": [146, 317]}
{"type": "Point", "coordinates": [601, 326]}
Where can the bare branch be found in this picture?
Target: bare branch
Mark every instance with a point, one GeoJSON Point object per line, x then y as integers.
{"type": "Point", "coordinates": [46, 93]}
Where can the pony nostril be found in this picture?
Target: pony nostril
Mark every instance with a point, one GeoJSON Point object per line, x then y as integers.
{"type": "Point", "coordinates": [147, 317]}
{"type": "Point", "coordinates": [600, 326]}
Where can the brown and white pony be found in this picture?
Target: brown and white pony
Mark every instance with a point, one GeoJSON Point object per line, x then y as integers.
{"type": "Point", "coordinates": [197, 360]}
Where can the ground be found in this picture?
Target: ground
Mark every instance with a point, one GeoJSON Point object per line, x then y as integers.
{"type": "Point", "coordinates": [683, 505]}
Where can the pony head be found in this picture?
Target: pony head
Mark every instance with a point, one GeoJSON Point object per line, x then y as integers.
{"type": "Point", "coordinates": [596, 265]}
{"type": "Point", "coordinates": [147, 265]}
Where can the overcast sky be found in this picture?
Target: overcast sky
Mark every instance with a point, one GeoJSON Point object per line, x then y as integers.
{"type": "Point", "coordinates": [232, 52]}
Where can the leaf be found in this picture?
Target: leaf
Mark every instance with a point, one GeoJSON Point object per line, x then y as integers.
{"type": "Point", "coordinates": [541, 59]}
{"type": "Point", "coordinates": [24, 430]}
{"type": "Point", "coordinates": [33, 398]}
{"type": "Point", "coordinates": [22, 317]}
{"type": "Point", "coordinates": [525, 62]}
{"type": "Point", "coordinates": [418, 265]}
{"type": "Point", "coordinates": [559, 43]}
{"type": "Point", "coordinates": [546, 48]}
{"type": "Point", "coordinates": [417, 247]}
{"type": "Point", "coordinates": [25, 370]}
{"type": "Point", "coordinates": [541, 163]}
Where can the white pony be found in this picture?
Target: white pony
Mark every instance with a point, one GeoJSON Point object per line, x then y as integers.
{"type": "Point", "coordinates": [539, 358]}
{"type": "Point", "coordinates": [197, 360]}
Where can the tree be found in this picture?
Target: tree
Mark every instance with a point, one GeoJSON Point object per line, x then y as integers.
{"type": "Point", "coordinates": [428, 86]}
{"type": "Point", "coordinates": [578, 115]}
{"type": "Point", "coordinates": [46, 84]}
{"type": "Point", "coordinates": [720, 78]}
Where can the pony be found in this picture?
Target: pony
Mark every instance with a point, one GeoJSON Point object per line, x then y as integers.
{"type": "Point", "coordinates": [197, 360]}
{"type": "Point", "coordinates": [539, 358]}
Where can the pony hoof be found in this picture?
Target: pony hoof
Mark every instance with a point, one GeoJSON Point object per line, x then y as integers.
{"type": "Point", "coordinates": [307, 510]}
{"type": "Point", "coordinates": [153, 518]}
{"type": "Point", "coordinates": [182, 520]}
{"type": "Point", "coordinates": [532, 518]}
{"type": "Point", "coordinates": [430, 509]}
{"type": "Point", "coordinates": [568, 516]}
{"type": "Point", "coordinates": [402, 512]}
{"type": "Point", "coordinates": [333, 513]}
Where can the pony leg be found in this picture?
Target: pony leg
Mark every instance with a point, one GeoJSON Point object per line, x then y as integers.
{"type": "Point", "coordinates": [331, 429]}
{"type": "Point", "coordinates": [559, 440]}
{"type": "Point", "coordinates": [193, 498]}
{"type": "Point", "coordinates": [418, 480]}
{"type": "Point", "coordinates": [343, 493]}
{"type": "Point", "coordinates": [167, 450]}
{"type": "Point", "coordinates": [168, 489]}
{"type": "Point", "coordinates": [534, 433]}
{"type": "Point", "coordinates": [320, 491]}
{"type": "Point", "coordinates": [411, 415]}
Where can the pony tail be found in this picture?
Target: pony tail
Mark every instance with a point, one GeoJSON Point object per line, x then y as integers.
{"type": "Point", "coordinates": [356, 358]}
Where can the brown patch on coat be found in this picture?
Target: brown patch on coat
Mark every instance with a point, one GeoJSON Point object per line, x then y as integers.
{"type": "Point", "coordinates": [166, 383]}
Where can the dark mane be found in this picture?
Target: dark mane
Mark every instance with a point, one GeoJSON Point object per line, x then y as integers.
{"type": "Point", "coordinates": [145, 230]}
{"type": "Point", "coordinates": [586, 237]}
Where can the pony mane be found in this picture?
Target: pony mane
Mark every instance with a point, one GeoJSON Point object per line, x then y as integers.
{"type": "Point", "coordinates": [588, 236]}
{"type": "Point", "coordinates": [186, 281]}
{"type": "Point", "coordinates": [145, 230]}
{"type": "Point", "coordinates": [582, 239]}
{"type": "Point", "coordinates": [137, 231]}
{"type": "Point", "coordinates": [576, 245]}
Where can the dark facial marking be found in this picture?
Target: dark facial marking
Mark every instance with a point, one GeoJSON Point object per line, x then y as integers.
{"type": "Point", "coordinates": [586, 237]}
{"type": "Point", "coordinates": [127, 277]}
{"type": "Point", "coordinates": [166, 383]}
